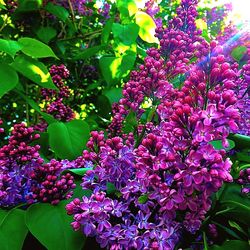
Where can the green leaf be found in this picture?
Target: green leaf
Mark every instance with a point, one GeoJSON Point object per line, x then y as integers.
{"type": "Point", "coordinates": [232, 244]}
{"type": "Point", "coordinates": [77, 171]}
{"type": "Point", "coordinates": [238, 52]}
{"type": "Point", "coordinates": [143, 199]}
{"type": "Point", "coordinates": [3, 214]}
{"type": "Point", "coordinates": [51, 226]}
{"type": "Point", "coordinates": [227, 230]}
{"type": "Point", "coordinates": [234, 203]}
{"type": "Point", "coordinates": [114, 94]}
{"type": "Point", "coordinates": [33, 70]}
{"type": "Point", "coordinates": [29, 5]}
{"type": "Point", "coordinates": [205, 241]}
{"type": "Point", "coordinates": [130, 122]}
{"type": "Point", "coordinates": [35, 48]}
{"type": "Point", "coordinates": [47, 117]}
{"type": "Point", "coordinates": [87, 53]}
{"type": "Point", "coordinates": [237, 226]}
{"type": "Point", "coordinates": [127, 9]}
{"type": "Point", "coordinates": [111, 189]}
{"type": "Point", "coordinates": [10, 47]}
{"type": "Point", "coordinates": [13, 230]}
{"type": "Point", "coordinates": [58, 11]}
{"type": "Point", "coordinates": [8, 79]}
{"type": "Point", "coordinates": [243, 155]}
{"type": "Point", "coordinates": [239, 211]}
{"type": "Point", "coordinates": [147, 27]}
{"type": "Point", "coordinates": [103, 105]}
{"type": "Point", "coordinates": [46, 34]}
{"type": "Point", "coordinates": [241, 141]}
{"type": "Point", "coordinates": [127, 63]}
{"type": "Point", "coordinates": [110, 68]}
{"type": "Point", "coordinates": [106, 31]}
{"type": "Point", "coordinates": [126, 33]}
{"type": "Point", "coordinates": [217, 144]}
{"type": "Point", "coordinates": [68, 140]}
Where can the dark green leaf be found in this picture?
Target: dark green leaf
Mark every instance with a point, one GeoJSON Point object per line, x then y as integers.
{"type": "Point", "coordinates": [29, 5]}
{"type": "Point", "coordinates": [35, 48]}
{"type": "Point", "coordinates": [235, 204]}
{"type": "Point", "coordinates": [232, 245]}
{"type": "Point", "coordinates": [130, 122]}
{"type": "Point", "coordinates": [111, 189]}
{"type": "Point", "coordinates": [10, 47]}
{"type": "Point", "coordinates": [89, 52]}
{"type": "Point", "coordinates": [103, 106]}
{"type": "Point", "coordinates": [106, 31]}
{"type": "Point", "coordinates": [58, 11]}
{"type": "Point", "coordinates": [114, 94]}
{"type": "Point", "coordinates": [235, 225]}
{"type": "Point", "coordinates": [243, 155]}
{"type": "Point", "coordinates": [46, 34]}
{"type": "Point", "coordinates": [241, 141]}
{"type": "Point", "coordinates": [33, 70]}
{"type": "Point", "coordinates": [8, 79]}
{"type": "Point", "coordinates": [68, 140]}
{"type": "Point", "coordinates": [227, 230]}
{"type": "Point", "coordinates": [51, 226]}
{"type": "Point", "coordinates": [13, 230]}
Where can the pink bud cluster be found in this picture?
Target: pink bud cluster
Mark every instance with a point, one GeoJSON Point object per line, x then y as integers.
{"type": "Point", "coordinates": [55, 100]}
{"type": "Point", "coordinates": [48, 185]}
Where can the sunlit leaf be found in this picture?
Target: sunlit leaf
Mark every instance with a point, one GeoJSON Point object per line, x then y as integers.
{"type": "Point", "coordinates": [33, 70]}
{"type": "Point", "coordinates": [35, 48]}
{"type": "Point", "coordinates": [147, 27]}
{"type": "Point", "coordinates": [10, 47]}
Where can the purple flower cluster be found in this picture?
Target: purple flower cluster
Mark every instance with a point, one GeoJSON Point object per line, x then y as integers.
{"type": "Point", "coordinates": [23, 175]}
{"type": "Point", "coordinates": [152, 8]}
{"type": "Point", "coordinates": [151, 186]}
{"type": "Point", "coordinates": [54, 99]}
{"type": "Point", "coordinates": [17, 159]}
{"type": "Point", "coordinates": [244, 180]}
{"type": "Point", "coordinates": [243, 94]}
{"type": "Point", "coordinates": [216, 16]}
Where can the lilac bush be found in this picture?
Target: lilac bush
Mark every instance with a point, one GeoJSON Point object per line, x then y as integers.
{"type": "Point", "coordinates": [152, 186]}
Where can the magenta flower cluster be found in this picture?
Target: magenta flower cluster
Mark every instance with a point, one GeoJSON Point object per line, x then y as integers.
{"type": "Point", "coordinates": [24, 178]}
{"type": "Point", "coordinates": [151, 186]}
{"type": "Point", "coordinates": [55, 99]}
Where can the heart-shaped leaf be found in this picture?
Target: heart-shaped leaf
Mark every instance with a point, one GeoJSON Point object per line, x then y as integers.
{"type": "Point", "coordinates": [51, 226]}
{"type": "Point", "coordinates": [68, 140]}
